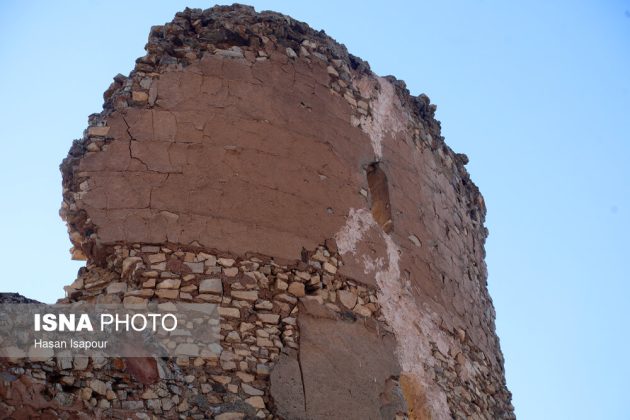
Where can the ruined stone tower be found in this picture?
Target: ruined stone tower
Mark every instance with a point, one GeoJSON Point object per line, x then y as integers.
{"type": "Point", "coordinates": [252, 162]}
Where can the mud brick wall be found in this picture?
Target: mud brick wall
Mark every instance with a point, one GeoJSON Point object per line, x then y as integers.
{"type": "Point", "coordinates": [252, 162]}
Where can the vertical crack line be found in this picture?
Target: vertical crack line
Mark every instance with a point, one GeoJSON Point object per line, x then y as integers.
{"type": "Point", "coordinates": [299, 360]}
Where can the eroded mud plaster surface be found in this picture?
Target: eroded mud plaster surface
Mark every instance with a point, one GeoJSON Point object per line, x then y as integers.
{"type": "Point", "coordinates": [343, 238]}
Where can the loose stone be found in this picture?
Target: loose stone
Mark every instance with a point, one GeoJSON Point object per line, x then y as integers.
{"type": "Point", "coordinates": [211, 286]}
{"type": "Point", "coordinates": [297, 289]}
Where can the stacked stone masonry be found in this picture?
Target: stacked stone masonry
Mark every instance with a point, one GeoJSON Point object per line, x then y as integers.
{"type": "Point", "coordinates": [232, 166]}
{"type": "Point", "coordinates": [258, 306]}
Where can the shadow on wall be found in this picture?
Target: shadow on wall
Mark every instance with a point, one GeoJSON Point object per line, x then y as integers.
{"type": "Point", "coordinates": [379, 196]}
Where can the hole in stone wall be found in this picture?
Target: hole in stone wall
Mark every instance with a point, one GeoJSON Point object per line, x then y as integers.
{"type": "Point", "coordinates": [379, 196]}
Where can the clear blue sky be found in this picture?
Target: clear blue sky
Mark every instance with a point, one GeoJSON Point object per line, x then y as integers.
{"type": "Point", "coordinates": [537, 94]}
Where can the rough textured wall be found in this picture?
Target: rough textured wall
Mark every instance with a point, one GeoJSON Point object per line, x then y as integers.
{"type": "Point", "coordinates": [252, 162]}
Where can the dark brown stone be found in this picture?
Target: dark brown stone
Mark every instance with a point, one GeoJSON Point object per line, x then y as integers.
{"type": "Point", "coordinates": [142, 369]}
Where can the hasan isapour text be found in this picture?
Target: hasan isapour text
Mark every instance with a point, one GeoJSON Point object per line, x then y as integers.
{"type": "Point", "coordinates": [70, 344]}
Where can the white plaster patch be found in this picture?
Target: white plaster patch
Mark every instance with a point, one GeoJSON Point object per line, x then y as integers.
{"type": "Point", "coordinates": [371, 264]}
{"type": "Point", "coordinates": [414, 328]}
{"type": "Point", "coordinates": [383, 121]}
{"type": "Point", "coordinates": [400, 308]}
{"type": "Point", "coordinates": [357, 224]}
